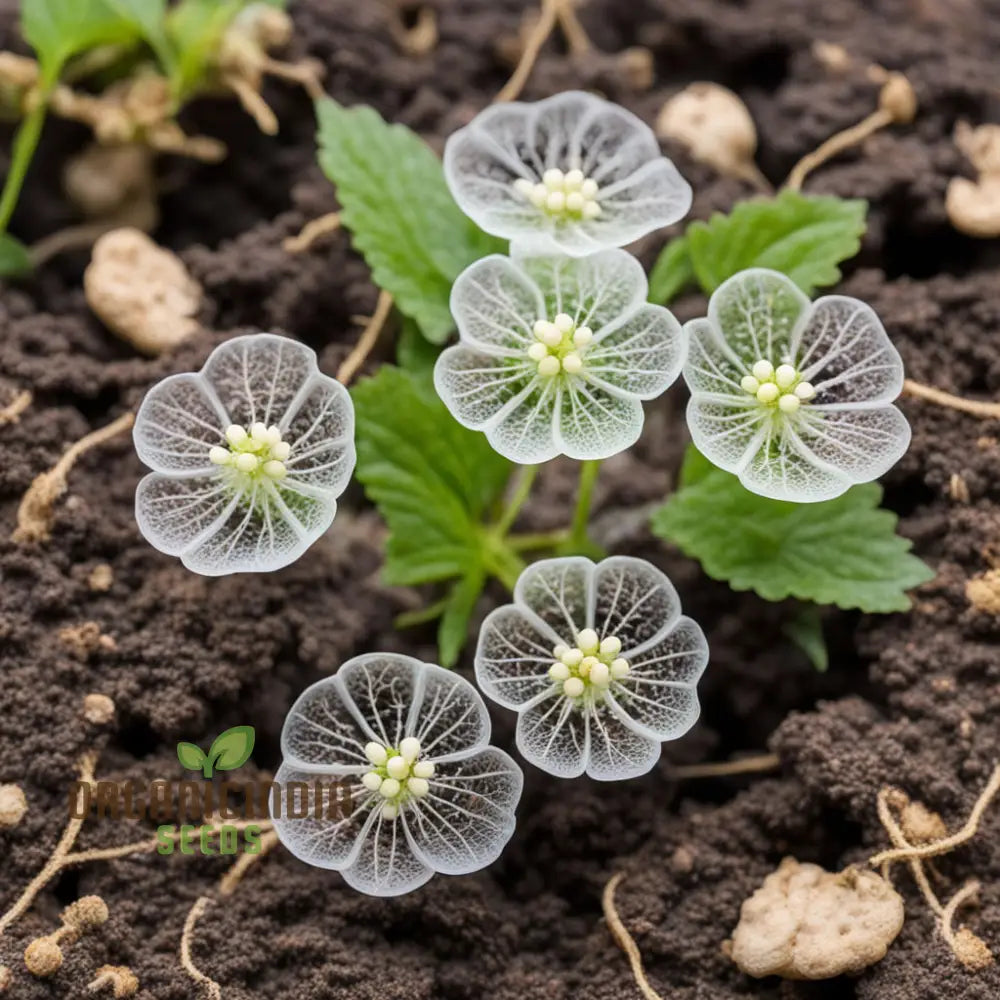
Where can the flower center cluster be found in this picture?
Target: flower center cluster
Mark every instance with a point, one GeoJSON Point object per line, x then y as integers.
{"type": "Point", "coordinates": [782, 387]}
{"type": "Point", "coordinates": [397, 774]}
{"type": "Point", "coordinates": [257, 452]}
{"type": "Point", "coordinates": [592, 664]}
{"type": "Point", "coordinates": [567, 195]}
{"type": "Point", "coordinates": [558, 345]}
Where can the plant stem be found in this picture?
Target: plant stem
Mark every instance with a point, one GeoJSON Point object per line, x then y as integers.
{"type": "Point", "coordinates": [24, 148]}
{"type": "Point", "coordinates": [502, 562]}
{"type": "Point", "coordinates": [589, 471]}
{"type": "Point", "coordinates": [526, 479]}
{"type": "Point", "coordinates": [537, 540]}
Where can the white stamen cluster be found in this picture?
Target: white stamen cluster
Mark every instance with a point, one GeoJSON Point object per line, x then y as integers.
{"type": "Point", "coordinates": [259, 451]}
{"type": "Point", "coordinates": [782, 386]}
{"type": "Point", "coordinates": [567, 195]}
{"type": "Point", "coordinates": [397, 774]}
{"type": "Point", "coordinates": [592, 663]}
{"type": "Point", "coordinates": [559, 345]}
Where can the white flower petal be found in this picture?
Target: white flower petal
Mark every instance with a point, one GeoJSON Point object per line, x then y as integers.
{"type": "Point", "coordinates": [179, 421]}
{"type": "Point", "coordinates": [598, 291]}
{"type": "Point", "coordinates": [658, 697]}
{"type": "Point", "coordinates": [513, 656]}
{"type": "Point", "coordinates": [319, 427]}
{"type": "Point", "coordinates": [633, 601]}
{"type": "Point", "coordinates": [782, 468]}
{"type": "Point", "coordinates": [450, 718]}
{"type": "Point", "coordinates": [594, 423]}
{"type": "Point", "coordinates": [476, 386]}
{"type": "Point", "coordinates": [617, 749]}
{"type": "Point", "coordinates": [560, 593]}
{"type": "Point", "coordinates": [756, 312]}
{"type": "Point", "coordinates": [467, 817]}
{"type": "Point", "coordinates": [523, 430]}
{"type": "Point", "coordinates": [711, 367]}
{"type": "Point", "coordinates": [324, 731]}
{"type": "Point", "coordinates": [258, 377]}
{"type": "Point", "coordinates": [552, 733]}
{"type": "Point", "coordinates": [386, 864]}
{"type": "Point", "coordinates": [642, 356]}
{"type": "Point", "coordinates": [332, 841]}
{"type": "Point", "coordinates": [383, 691]}
{"type": "Point", "coordinates": [727, 433]}
{"type": "Point", "coordinates": [495, 305]}
{"type": "Point", "coordinates": [174, 513]}
{"type": "Point", "coordinates": [844, 351]}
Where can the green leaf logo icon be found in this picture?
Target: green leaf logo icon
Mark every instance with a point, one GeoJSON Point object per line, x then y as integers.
{"type": "Point", "coordinates": [229, 751]}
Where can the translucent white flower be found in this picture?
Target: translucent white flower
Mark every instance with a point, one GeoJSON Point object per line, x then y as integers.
{"type": "Point", "coordinates": [572, 173]}
{"type": "Point", "coordinates": [793, 396]}
{"type": "Point", "coordinates": [597, 661]}
{"type": "Point", "coordinates": [557, 353]}
{"type": "Point", "coordinates": [409, 742]}
{"type": "Point", "coordinates": [248, 456]}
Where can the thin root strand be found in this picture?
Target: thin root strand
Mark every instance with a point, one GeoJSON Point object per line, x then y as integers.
{"type": "Point", "coordinates": [988, 411]}
{"type": "Point", "coordinates": [209, 987]}
{"type": "Point", "coordinates": [367, 340]}
{"type": "Point", "coordinates": [623, 939]}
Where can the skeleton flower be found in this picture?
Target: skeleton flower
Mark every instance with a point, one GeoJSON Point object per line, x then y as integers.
{"type": "Point", "coordinates": [557, 353]}
{"type": "Point", "coordinates": [793, 396]}
{"type": "Point", "coordinates": [248, 456]}
{"type": "Point", "coordinates": [572, 173]}
{"type": "Point", "coordinates": [597, 661]}
{"type": "Point", "coordinates": [408, 741]}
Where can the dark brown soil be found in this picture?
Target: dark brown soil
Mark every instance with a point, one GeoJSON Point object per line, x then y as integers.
{"type": "Point", "coordinates": [910, 699]}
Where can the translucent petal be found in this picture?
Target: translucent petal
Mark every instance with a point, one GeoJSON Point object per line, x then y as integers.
{"type": "Point", "coordinates": [642, 356]}
{"type": "Point", "coordinates": [258, 377]}
{"type": "Point", "coordinates": [596, 291]}
{"type": "Point", "coordinates": [324, 732]}
{"type": "Point", "coordinates": [711, 367]}
{"type": "Point", "coordinates": [514, 655]}
{"type": "Point", "coordinates": [386, 864]}
{"type": "Point", "coordinates": [319, 426]}
{"type": "Point", "coordinates": [179, 421]}
{"type": "Point", "coordinates": [617, 749]}
{"type": "Point", "coordinates": [175, 513]}
{"type": "Point", "coordinates": [523, 430]}
{"type": "Point", "coordinates": [594, 423]}
{"type": "Point", "coordinates": [467, 817]}
{"type": "Point", "coordinates": [658, 696]}
{"type": "Point", "coordinates": [496, 305]}
{"type": "Point", "coordinates": [781, 468]}
{"type": "Point", "coordinates": [553, 735]}
{"type": "Point", "coordinates": [843, 349]}
{"type": "Point", "coordinates": [862, 444]}
{"type": "Point", "coordinates": [450, 718]}
{"type": "Point", "coordinates": [756, 313]}
{"type": "Point", "coordinates": [559, 592]}
{"type": "Point", "coordinates": [334, 839]}
{"type": "Point", "coordinates": [383, 692]}
{"type": "Point", "coordinates": [633, 601]}
{"type": "Point", "coordinates": [726, 432]}
{"type": "Point", "coordinates": [476, 386]}
{"type": "Point", "coordinates": [266, 529]}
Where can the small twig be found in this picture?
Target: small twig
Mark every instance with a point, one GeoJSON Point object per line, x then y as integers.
{"type": "Point", "coordinates": [208, 985]}
{"type": "Point", "coordinates": [311, 232]}
{"type": "Point", "coordinates": [744, 765]}
{"type": "Point", "coordinates": [569, 24]}
{"type": "Point", "coordinates": [11, 413]}
{"type": "Point", "coordinates": [229, 882]}
{"type": "Point", "coordinates": [35, 513]}
{"type": "Point", "coordinates": [532, 46]}
{"type": "Point", "coordinates": [837, 144]}
{"type": "Point", "coordinates": [937, 847]}
{"type": "Point", "coordinates": [989, 411]}
{"type": "Point", "coordinates": [625, 940]}
{"type": "Point", "coordinates": [366, 341]}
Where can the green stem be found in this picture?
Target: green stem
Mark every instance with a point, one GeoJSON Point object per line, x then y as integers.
{"type": "Point", "coordinates": [408, 619]}
{"type": "Point", "coordinates": [525, 481]}
{"type": "Point", "coordinates": [537, 540]}
{"type": "Point", "coordinates": [25, 143]}
{"type": "Point", "coordinates": [589, 471]}
{"type": "Point", "coordinates": [502, 562]}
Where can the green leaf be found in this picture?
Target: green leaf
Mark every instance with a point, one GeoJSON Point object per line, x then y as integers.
{"type": "Point", "coordinates": [805, 629]}
{"type": "Point", "coordinates": [453, 629]}
{"type": "Point", "coordinates": [190, 756]}
{"type": "Point", "coordinates": [672, 272]}
{"type": "Point", "coordinates": [431, 478]}
{"type": "Point", "coordinates": [415, 353]}
{"type": "Point", "coordinates": [396, 203]}
{"type": "Point", "coordinates": [59, 29]}
{"type": "Point", "coordinates": [843, 551]}
{"type": "Point", "coordinates": [801, 236]}
{"type": "Point", "coordinates": [232, 748]}
{"type": "Point", "coordinates": [194, 29]}
{"type": "Point", "coordinates": [149, 18]}
{"type": "Point", "coordinates": [14, 258]}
